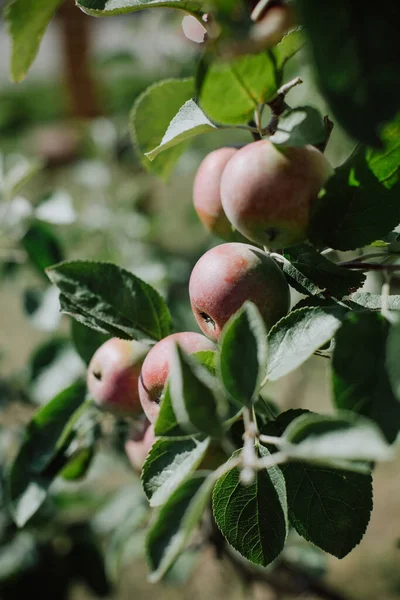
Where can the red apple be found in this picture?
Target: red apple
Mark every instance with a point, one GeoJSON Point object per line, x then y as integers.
{"type": "Point", "coordinates": [267, 193]}
{"type": "Point", "coordinates": [113, 375]}
{"type": "Point", "coordinates": [207, 196]}
{"type": "Point", "coordinates": [155, 368]}
{"type": "Point", "coordinates": [228, 275]}
{"type": "Point", "coordinates": [138, 449]}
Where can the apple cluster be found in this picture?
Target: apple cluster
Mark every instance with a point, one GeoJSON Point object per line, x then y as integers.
{"type": "Point", "coordinates": [257, 192]}
{"type": "Point", "coordinates": [261, 192]}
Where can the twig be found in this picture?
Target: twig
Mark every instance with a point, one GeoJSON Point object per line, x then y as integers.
{"type": "Point", "coordinates": [286, 87]}
{"type": "Point", "coordinates": [328, 126]}
{"type": "Point", "coordinates": [362, 266]}
{"type": "Point", "coordinates": [270, 439]}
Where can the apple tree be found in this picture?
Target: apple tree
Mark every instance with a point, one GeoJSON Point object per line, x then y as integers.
{"type": "Point", "coordinates": [217, 459]}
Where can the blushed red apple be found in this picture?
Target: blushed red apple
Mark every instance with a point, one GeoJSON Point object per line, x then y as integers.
{"type": "Point", "coordinates": [207, 196]}
{"type": "Point", "coordinates": [267, 193]}
{"type": "Point", "coordinates": [155, 368]}
{"type": "Point", "coordinates": [138, 449]}
{"type": "Point", "coordinates": [228, 275]}
{"type": "Point", "coordinates": [113, 375]}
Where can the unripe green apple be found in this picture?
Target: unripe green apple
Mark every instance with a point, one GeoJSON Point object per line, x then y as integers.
{"type": "Point", "coordinates": [138, 449]}
{"type": "Point", "coordinates": [113, 375]}
{"type": "Point", "coordinates": [155, 369]}
{"type": "Point", "coordinates": [267, 193]}
{"type": "Point", "coordinates": [228, 275]}
{"type": "Point", "coordinates": [207, 196]}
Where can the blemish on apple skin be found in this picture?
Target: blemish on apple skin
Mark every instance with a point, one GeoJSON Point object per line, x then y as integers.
{"type": "Point", "coordinates": [271, 233]}
{"type": "Point", "coordinates": [97, 375]}
{"type": "Point", "coordinates": [207, 319]}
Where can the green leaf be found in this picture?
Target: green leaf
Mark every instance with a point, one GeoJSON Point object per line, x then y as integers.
{"type": "Point", "coordinates": [311, 273]}
{"type": "Point", "coordinates": [231, 90]}
{"type": "Point", "coordinates": [68, 307]}
{"type": "Point", "coordinates": [27, 21]}
{"type": "Point", "coordinates": [356, 208]}
{"type": "Point", "coordinates": [360, 380]}
{"type": "Point", "coordinates": [329, 507]}
{"type": "Point", "coordinates": [298, 335]}
{"type": "Point", "coordinates": [86, 340]}
{"type": "Point", "coordinates": [167, 424]}
{"type": "Point", "coordinates": [175, 522]}
{"type": "Point", "coordinates": [385, 164]}
{"type": "Point", "coordinates": [187, 123]}
{"type": "Point", "coordinates": [374, 301]}
{"type": "Point", "coordinates": [46, 436]}
{"type": "Point", "coordinates": [42, 247]}
{"type": "Point", "coordinates": [196, 401]}
{"type": "Point", "coordinates": [243, 355]}
{"type": "Point", "coordinates": [343, 437]}
{"type": "Point", "coordinates": [207, 358]}
{"type": "Point", "coordinates": [253, 518]}
{"type": "Point", "coordinates": [356, 63]}
{"type": "Point", "coordinates": [78, 465]}
{"type": "Point", "coordinates": [168, 463]}
{"type": "Point", "coordinates": [150, 118]}
{"type": "Point", "coordinates": [114, 298]}
{"type": "Point", "coordinates": [300, 126]}
{"type": "Point", "coordinates": [288, 47]}
{"type": "Point", "coordinates": [106, 8]}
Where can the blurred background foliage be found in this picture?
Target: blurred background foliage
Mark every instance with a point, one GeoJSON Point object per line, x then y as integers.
{"type": "Point", "coordinates": [73, 187]}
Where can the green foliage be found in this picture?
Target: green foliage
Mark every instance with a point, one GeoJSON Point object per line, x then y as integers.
{"type": "Point", "coordinates": [150, 119]}
{"type": "Point", "coordinates": [105, 8]}
{"type": "Point", "coordinates": [309, 272]}
{"type": "Point", "coordinates": [167, 424]}
{"type": "Point", "coordinates": [41, 456]}
{"type": "Point", "coordinates": [335, 439]}
{"type": "Point", "coordinates": [230, 91]}
{"type": "Point", "coordinates": [361, 80]}
{"type": "Point", "coordinates": [27, 22]}
{"type": "Point", "coordinates": [196, 400]}
{"type": "Point", "coordinates": [385, 163]}
{"type": "Point", "coordinates": [298, 127]}
{"type": "Point", "coordinates": [176, 521]}
{"type": "Point", "coordinates": [350, 213]}
{"type": "Point", "coordinates": [243, 355]}
{"type": "Point", "coordinates": [169, 462]}
{"type": "Point", "coordinates": [360, 379]}
{"type": "Point", "coordinates": [111, 300]}
{"type": "Point", "coordinates": [316, 492]}
{"type": "Point", "coordinates": [288, 47]}
{"type": "Point", "coordinates": [42, 247]}
{"type": "Point", "coordinates": [188, 122]}
{"type": "Point", "coordinates": [298, 469]}
{"type": "Point", "coordinates": [253, 518]}
{"type": "Point", "coordinates": [298, 335]}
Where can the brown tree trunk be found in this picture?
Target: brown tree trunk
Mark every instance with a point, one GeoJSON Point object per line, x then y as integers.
{"type": "Point", "coordinates": [75, 29]}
